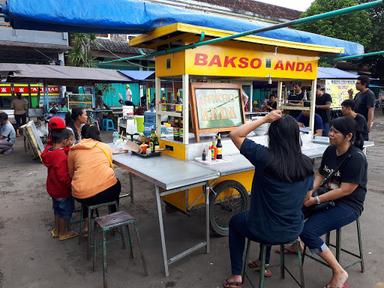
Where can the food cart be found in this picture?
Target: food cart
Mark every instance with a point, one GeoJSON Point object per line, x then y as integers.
{"type": "Point", "coordinates": [211, 78]}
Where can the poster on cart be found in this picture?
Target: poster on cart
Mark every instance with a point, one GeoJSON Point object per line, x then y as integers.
{"type": "Point", "coordinates": [217, 107]}
{"type": "Point", "coordinates": [338, 89]}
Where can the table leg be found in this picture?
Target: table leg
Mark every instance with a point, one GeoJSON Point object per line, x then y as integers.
{"type": "Point", "coordinates": [161, 224]}
{"type": "Point", "coordinates": [131, 187]}
{"type": "Point", "coordinates": [207, 190]}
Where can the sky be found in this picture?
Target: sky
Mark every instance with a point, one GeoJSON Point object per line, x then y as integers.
{"type": "Point", "coordinates": [300, 5]}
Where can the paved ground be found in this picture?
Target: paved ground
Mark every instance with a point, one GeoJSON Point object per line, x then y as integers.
{"type": "Point", "coordinates": [29, 257]}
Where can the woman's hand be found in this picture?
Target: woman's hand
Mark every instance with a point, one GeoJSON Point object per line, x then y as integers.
{"type": "Point", "coordinates": [310, 201]}
{"type": "Point", "coordinates": [273, 116]}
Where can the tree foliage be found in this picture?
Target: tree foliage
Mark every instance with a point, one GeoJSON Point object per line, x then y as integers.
{"type": "Point", "coordinates": [80, 54]}
{"type": "Point", "coordinates": [356, 27]}
{"type": "Point", "coordinates": [377, 17]}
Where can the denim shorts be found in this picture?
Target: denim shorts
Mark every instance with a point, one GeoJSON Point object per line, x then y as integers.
{"type": "Point", "coordinates": [63, 207]}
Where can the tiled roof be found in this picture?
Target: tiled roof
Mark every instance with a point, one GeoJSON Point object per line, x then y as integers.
{"type": "Point", "coordinates": [263, 10]}
{"type": "Point", "coordinates": [121, 47]}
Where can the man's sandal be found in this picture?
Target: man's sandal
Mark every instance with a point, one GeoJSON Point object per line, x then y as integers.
{"type": "Point", "coordinates": [68, 235]}
{"type": "Point", "coordinates": [54, 233]}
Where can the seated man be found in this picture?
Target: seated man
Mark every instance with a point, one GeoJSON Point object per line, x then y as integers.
{"type": "Point", "coordinates": [303, 121]}
{"type": "Point", "coordinates": [7, 134]}
{"type": "Point", "coordinates": [348, 109]}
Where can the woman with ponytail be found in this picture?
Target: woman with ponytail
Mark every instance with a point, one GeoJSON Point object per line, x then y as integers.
{"type": "Point", "coordinates": [347, 188]}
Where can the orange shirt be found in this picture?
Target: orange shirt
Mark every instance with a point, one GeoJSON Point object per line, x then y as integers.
{"type": "Point", "coordinates": [90, 168]}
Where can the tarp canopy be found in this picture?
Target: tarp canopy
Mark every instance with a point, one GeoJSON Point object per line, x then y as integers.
{"type": "Point", "coordinates": [334, 73]}
{"type": "Point", "coordinates": [132, 17]}
{"type": "Point", "coordinates": [61, 75]}
{"type": "Point", "coordinates": [137, 75]}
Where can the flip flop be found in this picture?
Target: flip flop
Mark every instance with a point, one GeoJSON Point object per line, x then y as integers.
{"type": "Point", "coordinates": [254, 265]}
{"type": "Point", "coordinates": [68, 235]}
{"type": "Point", "coordinates": [54, 233]}
{"type": "Point", "coordinates": [232, 284]}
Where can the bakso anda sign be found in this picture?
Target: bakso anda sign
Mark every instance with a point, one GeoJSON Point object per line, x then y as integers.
{"type": "Point", "coordinates": [226, 61]}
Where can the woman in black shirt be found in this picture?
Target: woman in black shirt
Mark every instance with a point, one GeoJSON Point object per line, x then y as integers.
{"type": "Point", "coordinates": [283, 175]}
{"type": "Point", "coordinates": [347, 188]}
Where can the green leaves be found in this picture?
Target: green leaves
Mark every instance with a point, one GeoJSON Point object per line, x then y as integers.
{"type": "Point", "coordinates": [356, 27]}
{"type": "Point", "coordinates": [80, 54]}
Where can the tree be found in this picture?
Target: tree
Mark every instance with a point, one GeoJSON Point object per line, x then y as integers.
{"type": "Point", "coordinates": [80, 54]}
{"type": "Point", "coordinates": [377, 18]}
{"type": "Point", "coordinates": [356, 27]}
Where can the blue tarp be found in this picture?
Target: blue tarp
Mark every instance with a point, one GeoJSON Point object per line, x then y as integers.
{"type": "Point", "coordinates": [137, 74]}
{"type": "Point", "coordinates": [334, 73]}
{"type": "Point", "coordinates": [133, 16]}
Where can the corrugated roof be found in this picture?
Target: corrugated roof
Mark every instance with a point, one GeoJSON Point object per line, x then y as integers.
{"type": "Point", "coordinates": [138, 74]}
{"type": "Point", "coordinates": [334, 73]}
{"type": "Point", "coordinates": [61, 75]}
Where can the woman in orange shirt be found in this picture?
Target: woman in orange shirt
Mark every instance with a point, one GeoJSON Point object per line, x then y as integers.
{"type": "Point", "coordinates": [90, 167]}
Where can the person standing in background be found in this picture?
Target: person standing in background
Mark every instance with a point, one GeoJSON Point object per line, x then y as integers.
{"type": "Point", "coordinates": [323, 108]}
{"type": "Point", "coordinates": [365, 100]}
{"type": "Point", "coordinates": [348, 109]}
{"type": "Point", "coordinates": [296, 99]}
{"type": "Point", "coordinates": [20, 107]}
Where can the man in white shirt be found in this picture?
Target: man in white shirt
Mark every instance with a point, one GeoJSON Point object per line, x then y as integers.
{"type": "Point", "coordinates": [7, 135]}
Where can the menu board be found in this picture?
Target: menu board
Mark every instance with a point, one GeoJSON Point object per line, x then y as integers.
{"type": "Point", "coordinates": [338, 89]}
{"type": "Point", "coordinates": [80, 100]}
{"type": "Point", "coordinates": [216, 107]}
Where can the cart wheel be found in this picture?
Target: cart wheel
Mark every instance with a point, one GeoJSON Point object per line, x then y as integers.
{"type": "Point", "coordinates": [227, 198]}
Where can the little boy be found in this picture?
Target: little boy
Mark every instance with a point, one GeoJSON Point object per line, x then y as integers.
{"type": "Point", "coordinates": [59, 183]}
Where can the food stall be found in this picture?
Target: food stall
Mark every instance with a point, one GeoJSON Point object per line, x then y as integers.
{"type": "Point", "coordinates": [211, 97]}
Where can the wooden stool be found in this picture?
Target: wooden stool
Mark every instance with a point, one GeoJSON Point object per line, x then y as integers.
{"type": "Point", "coordinates": [115, 220]}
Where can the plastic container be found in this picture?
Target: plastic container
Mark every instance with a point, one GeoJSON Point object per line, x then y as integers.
{"type": "Point", "coordinates": [149, 122]}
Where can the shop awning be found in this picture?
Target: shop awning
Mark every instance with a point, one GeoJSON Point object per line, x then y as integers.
{"type": "Point", "coordinates": [61, 75]}
{"type": "Point", "coordinates": [137, 75]}
{"type": "Point", "coordinates": [132, 17]}
{"type": "Point", "coordinates": [334, 73]}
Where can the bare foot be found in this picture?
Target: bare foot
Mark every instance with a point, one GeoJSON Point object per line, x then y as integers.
{"type": "Point", "coordinates": [338, 279]}
{"type": "Point", "coordinates": [235, 281]}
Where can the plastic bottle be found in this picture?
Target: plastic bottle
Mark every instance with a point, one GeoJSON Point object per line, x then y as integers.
{"type": "Point", "coordinates": [213, 149]}
{"type": "Point", "coordinates": [115, 137]}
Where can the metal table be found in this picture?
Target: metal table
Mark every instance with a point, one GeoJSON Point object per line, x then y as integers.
{"type": "Point", "coordinates": [238, 163]}
{"type": "Point", "coordinates": [170, 175]}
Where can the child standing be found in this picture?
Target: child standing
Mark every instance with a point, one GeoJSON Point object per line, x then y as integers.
{"type": "Point", "coordinates": [59, 183]}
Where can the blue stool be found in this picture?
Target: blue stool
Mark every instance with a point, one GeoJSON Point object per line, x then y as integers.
{"type": "Point", "coordinates": [108, 125]}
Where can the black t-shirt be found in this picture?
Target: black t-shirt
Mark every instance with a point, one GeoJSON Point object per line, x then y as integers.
{"type": "Point", "coordinates": [273, 105]}
{"type": "Point", "coordinates": [275, 214]}
{"type": "Point", "coordinates": [295, 98]}
{"type": "Point", "coordinates": [361, 126]}
{"type": "Point", "coordinates": [354, 170]}
{"type": "Point", "coordinates": [363, 101]}
{"type": "Point", "coordinates": [323, 100]}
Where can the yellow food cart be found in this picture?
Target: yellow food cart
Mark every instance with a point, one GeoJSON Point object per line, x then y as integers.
{"type": "Point", "coordinates": [220, 69]}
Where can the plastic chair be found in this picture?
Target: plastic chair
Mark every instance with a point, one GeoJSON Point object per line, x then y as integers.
{"type": "Point", "coordinates": [110, 222]}
{"type": "Point", "coordinates": [339, 249]}
{"type": "Point", "coordinates": [283, 268]}
{"type": "Point", "coordinates": [108, 125]}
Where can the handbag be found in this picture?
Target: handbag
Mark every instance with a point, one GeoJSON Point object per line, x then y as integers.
{"type": "Point", "coordinates": [308, 211]}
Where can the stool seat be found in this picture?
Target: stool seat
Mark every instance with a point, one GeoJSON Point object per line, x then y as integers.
{"type": "Point", "coordinates": [108, 125]}
{"type": "Point", "coordinates": [114, 219]}
{"type": "Point", "coordinates": [121, 220]}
